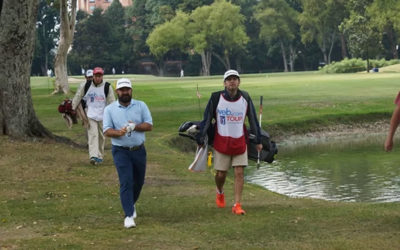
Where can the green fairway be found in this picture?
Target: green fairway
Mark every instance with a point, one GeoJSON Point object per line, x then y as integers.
{"type": "Point", "coordinates": [51, 197]}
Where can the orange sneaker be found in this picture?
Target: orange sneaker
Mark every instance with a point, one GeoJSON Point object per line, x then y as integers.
{"type": "Point", "coordinates": [220, 200]}
{"type": "Point", "coordinates": [237, 209]}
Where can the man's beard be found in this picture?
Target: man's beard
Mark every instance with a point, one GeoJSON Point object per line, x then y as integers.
{"type": "Point", "coordinates": [124, 98]}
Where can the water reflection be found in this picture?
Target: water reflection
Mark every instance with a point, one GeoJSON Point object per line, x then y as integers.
{"type": "Point", "coordinates": [344, 169]}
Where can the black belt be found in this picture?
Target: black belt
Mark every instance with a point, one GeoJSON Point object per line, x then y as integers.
{"type": "Point", "coordinates": [134, 148]}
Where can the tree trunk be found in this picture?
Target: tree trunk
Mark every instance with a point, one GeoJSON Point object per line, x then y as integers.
{"type": "Point", "coordinates": [333, 38]}
{"type": "Point", "coordinates": [343, 45]}
{"type": "Point", "coordinates": [284, 56]}
{"type": "Point", "coordinates": [292, 57]}
{"type": "Point", "coordinates": [67, 29]}
{"type": "Point", "coordinates": [238, 64]}
{"type": "Point", "coordinates": [206, 62]}
{"type": "Point", "coordinates": [323, 50]}
{"type": "Point", "coordinates": [222, 60]}
{"type": "Point", "coordinates": [60, 70]}
{"type": "Point", "coordinates": [17, 38]}
{"type": "Point", "coordinates": [326, 61]}
{"type": "Point", "coordinates": [227, 61]}
{"type": "Point", "coordinates": [367, 59]}
{"type": "Point", "coordinates": [161, 66]}
{"type": "Point", "coordinates": [392, 44]}
{"type": "Point", "coordinates": [44, 67]}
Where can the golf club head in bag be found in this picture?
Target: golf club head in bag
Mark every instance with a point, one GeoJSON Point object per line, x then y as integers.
{"type": "Point", "coordinates": [189, 129]}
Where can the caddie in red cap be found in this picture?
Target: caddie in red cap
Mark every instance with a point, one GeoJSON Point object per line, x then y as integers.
{"type": "Point", "coordinates": [98, 71]}
{"type": "Point", "coordinates": [94, 96]}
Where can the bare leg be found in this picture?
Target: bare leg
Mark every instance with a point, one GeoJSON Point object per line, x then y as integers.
{"type": "Point", "coordinates": [239, 180]}
{"type": "Point", "coordinates": [220, 177]}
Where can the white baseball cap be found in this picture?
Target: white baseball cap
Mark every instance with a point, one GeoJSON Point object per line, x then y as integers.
{"type": "Point", "coordinates": [231, 72]}
{"type": "Point", "coordinates": [123, 83]}
{"type": "Point", "coordinates": [89, 72]}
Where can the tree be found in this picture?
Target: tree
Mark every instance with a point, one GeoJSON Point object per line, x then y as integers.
{"type": "Point", "coordinates": [362, 35]}
{"type": "Point", "coordinates": [17, 37]}
{"type": "Point", "coordinates": [101, 40]}
{"type": "Point", "coordinates": [219, 24]}
{"type": "Point", "coordinates": [279, 24]}
{"type": "Point", "coordinates": [319, 21]}
{"type": "Point", "coordinates": [93, 43]}
{"type": "Point", "coordinates": [67, 29]}
{"type": "Point", "coordinates": [144, 15]}
{"type": "Point", "coordinates": [228, 31]}
{"type": "Point", "coordinates": [138, 26]}
{"type": "Point", "coordinates": [120, 44]}
{"type": "Point", "coordinates": [384, 15]}
{"type": "Point", "coordinates": [189, 5]}
{"type": "Point", "coordinates": [171, 35]}
{"type": "Point", "coordinates": [245, 57]}
{"type": "Point", "coordinates": [46, 34]}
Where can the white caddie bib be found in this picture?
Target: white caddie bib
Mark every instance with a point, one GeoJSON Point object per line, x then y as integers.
{"type": "Point", "coordinates": [230, 117]}
{"type": "Point", "coordinates": [96, 102]}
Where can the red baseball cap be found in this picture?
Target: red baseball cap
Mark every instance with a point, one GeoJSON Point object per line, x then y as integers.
{"type": "Point", "coordinates": [98, 70]}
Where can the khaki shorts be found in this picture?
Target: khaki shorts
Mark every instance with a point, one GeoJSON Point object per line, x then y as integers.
{"type": "Point", "coordinates": [223, 162]}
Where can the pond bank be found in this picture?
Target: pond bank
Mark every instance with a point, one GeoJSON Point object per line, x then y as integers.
{"type": "Point", "coordinates": [379, 127]}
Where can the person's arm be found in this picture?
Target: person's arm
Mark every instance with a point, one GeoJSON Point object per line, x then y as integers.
{"type": "Point", "coordinates": [394, 123]}
{"type": "Point", "coordinates": [142, 127]}
{"type": "Point", "coordinates": [109, 129]}
{"type": "Point", "coordinates": [78, 96]}
{"type": "Point", "coordinates": [147, 120]}
{"type": "Point", "coordinates": [115, 132]}
{"type": "Point", "coordinates": [206, 122]}
{"type": "Point", "coordinates": [253, 122]}
{"type": "Point", "coordinates": [110, 96]}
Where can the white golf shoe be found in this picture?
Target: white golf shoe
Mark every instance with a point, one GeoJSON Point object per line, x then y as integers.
{"type": "Point", "coordinates": [134, 212]}
{"type": "Point", "coordinates": [129, 222]}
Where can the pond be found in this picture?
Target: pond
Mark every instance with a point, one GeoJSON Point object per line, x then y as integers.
{"type": "Point", "coordinates": [347, 168]}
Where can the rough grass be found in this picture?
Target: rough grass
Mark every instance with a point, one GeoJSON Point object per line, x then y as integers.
{"type": "Point", "coordinates": [51, 198]}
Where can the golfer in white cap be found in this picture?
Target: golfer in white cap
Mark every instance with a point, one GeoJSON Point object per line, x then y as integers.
{"type": "Point", "coordinates": [126, 121]}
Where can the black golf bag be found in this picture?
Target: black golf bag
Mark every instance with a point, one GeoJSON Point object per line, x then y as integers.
{"type": "Point", "coordinates": [190, 129]}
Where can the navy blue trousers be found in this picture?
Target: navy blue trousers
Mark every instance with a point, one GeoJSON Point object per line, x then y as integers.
{"type": "Point", "coordinates": [131, 168]}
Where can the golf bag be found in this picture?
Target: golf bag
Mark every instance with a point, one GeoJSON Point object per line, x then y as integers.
{"type": "Point", "coordinates": [269, 150]}
{"type": "Point", "coordinates": [65, 108]}
{"type": "Point", "coordinates": [190, 129]}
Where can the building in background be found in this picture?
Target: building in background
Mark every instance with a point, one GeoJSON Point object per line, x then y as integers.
{"type": "Point", "coordinates": [89, 5]}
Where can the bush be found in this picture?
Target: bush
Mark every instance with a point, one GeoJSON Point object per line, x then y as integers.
{"type": "Point", "coordinates": [355, 65]}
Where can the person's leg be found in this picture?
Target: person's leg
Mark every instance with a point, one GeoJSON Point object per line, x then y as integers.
{"type": "Point", "coordinates": [220, 178]}
{"type": "Point", "coordinates": [124, 168]}
{"type": "Point", "coordinates": [139, 171]}
{"type": "Point", "coordinates": [239, 162]}
{"type": "Point", "coordinates": [239, 180]}
{"type": "Point", "coordinates": [101, 140]}
{"type": "Point", "coordinates": [93, 138]}
{"type": "Point", "coordinates": [222, 163]}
